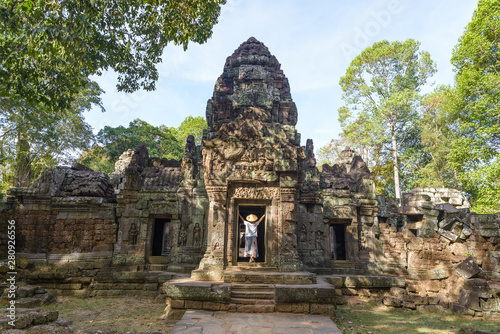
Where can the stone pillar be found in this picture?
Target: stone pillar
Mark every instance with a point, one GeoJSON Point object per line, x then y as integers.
{"type": "Point", "coordinates": [289, 257]}
{"type": "Point", "coordinates": [212, 265]}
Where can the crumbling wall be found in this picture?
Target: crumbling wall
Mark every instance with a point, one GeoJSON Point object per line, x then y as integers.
{"type": "Point", "coordinates": [446, 251]}
{"type": "Point", "coordinates": [68, 211]}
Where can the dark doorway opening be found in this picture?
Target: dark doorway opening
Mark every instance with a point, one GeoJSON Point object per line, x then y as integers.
{"type": "Point", "coordinates": [337, 241]}
{"type": "Point", "coordinates": [161, 237]}
{"type": "Point", "coordinates": [259, 211]}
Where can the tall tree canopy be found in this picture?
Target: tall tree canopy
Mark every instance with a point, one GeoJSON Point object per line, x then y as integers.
{"type": "Point", "coordinates": [381, 89]}
{"type": "Point", "coordinates": [32, 138]}
{"type": "Point", "coordinates": [49, 48]}
{"type": "Point", "coordinates": [476, 144]}
{"type": "Point", "coordinates": [191, 126]}
{"type": "Point", "coordinates": [161, 141]}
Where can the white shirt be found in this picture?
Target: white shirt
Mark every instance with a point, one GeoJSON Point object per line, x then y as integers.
{"type": "Point", "coordinates": [250, 229]}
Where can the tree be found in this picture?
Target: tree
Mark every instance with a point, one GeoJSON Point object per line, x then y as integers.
{"type": "Point", "coordinates": [476, 144]}
{"type": "Point", "coordinates": [437, 130]}
{"type": "Point", "coordinates": [32, 138]}
{"type": "Point", "coordinates": [380, 89]}
{"type": "Point", "coordinates": [160, 141]}
{"type": "Point", "coordinates": [49, 48]}
{"type": "Point", "coordinates": [191, 126]}
{"type": "Point", "coordinates": [112, 142]}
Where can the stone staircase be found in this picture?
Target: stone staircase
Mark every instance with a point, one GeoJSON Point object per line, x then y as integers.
{"type": "Point", "coordinates": [252, 298]}
{"type": "Point", "coordinates": [256, 273]}
{"type": "Point", "coordinates": [343, 268]}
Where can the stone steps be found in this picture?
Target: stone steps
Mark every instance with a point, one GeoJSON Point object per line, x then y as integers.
{"type": "Point", "coordinates": [257, 308]}
{"type": "Point", "coordinates": [252, 298]}
{"type": "Point", "coordinates": [252, 267]}
{"type": "Point", "coordinates": [252, 287]}
{"type": "Point", "coordinates": [252, 294]}
{"type": "Point", "coordinates": [269, 277]}
{"type": "Point", "coordinates": [247, 301]}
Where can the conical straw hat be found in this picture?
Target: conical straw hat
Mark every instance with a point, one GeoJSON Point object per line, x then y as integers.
{"type": "Point", "coordinates": [252, 218]}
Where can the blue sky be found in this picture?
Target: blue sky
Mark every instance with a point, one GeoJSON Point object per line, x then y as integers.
{"type": "Point", "coordinates": [314, 41]}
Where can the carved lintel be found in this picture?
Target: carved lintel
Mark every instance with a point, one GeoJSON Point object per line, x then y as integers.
{"type": "Point", "coordinates": [267, 193]}
{"type": "Point", "coordinates": [344, 212]}
{"type": "Point", "coordinates": [215, 189]}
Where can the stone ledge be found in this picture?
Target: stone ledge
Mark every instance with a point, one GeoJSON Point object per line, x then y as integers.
{"type": "Point", "coordinates": [292, 278]}
{"type": "Point", "coordinates": [366, 281]}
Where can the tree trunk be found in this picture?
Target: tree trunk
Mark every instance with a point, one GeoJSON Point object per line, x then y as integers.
{"type": "Point", "coordinates": [22, 177]}
{"type": "Point", "coordinates": [395, 163]}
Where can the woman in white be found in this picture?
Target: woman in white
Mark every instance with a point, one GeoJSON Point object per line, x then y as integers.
{"type": "Point", "coordinates": [251, 223]}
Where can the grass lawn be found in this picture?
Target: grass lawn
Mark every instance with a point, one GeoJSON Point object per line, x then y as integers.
{"type": "Point", "coordinates": [358, 316]}
{"type": "Point", "coordinates": [113, 313]}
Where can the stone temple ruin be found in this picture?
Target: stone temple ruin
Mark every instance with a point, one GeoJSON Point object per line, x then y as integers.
{"type": "Point", "coordinates": [172, 227]}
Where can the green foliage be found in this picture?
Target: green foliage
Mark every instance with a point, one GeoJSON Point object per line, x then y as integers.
{"type": "Point", "coordinates": [475, 148]}
{"type": "Point", "coordinates": [97, 159]}
{"type": "Point", "coordinates": [191, 126]}
{"type": "Point", "coordinates": [161, 141]}
{"type": "Point", "coordinates": [33, 138]}
{"type": "Point", "coordinates": [381, 91]}
{"type": "Point", "coordinates": [49, 48]}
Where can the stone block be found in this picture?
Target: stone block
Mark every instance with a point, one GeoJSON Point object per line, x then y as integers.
{"type": "Point", "coordinates": [467, 268]}
{"type": "Point", "coordinates": [466, 232]}
{"type": "Point", "coordinates": [213, 306]}
{"type": "Point", "coordinates": [434, 308]}
{"type": "Point", "coordinates": [433, 300]}
{"type": "Point", "coordinates": [193, 304]}
{"type": "Point", "coordinates": [398, 292]}
{"type": "Point", "coordinates": [177, 303]}
{"type": "Point", "coordinates": [491, 305]}
{"type": "Point", "coordinates": [483, 291]}
{"type": "Point", "coordinates": [475, 282]}
{"type": "Point", "coordinates": [488, 233]}
{"type": "Point", "coordinates": [469, 300]}
{"type": "Point", "coordinates": [46, 298]}
{"type": "Point", "coordinates": [392, 301]}
{"type": "Point", "coordinates": [447, 208]}
{"type": "Point", "coordinates": [28, 302]}
{"type": "Point", "coordinates": [322, 309]}
{"type": "Point", "coordinates": [409, 305]}
{"type": "Point", "coordinates": [438, 273]}
{"type": "Point", "coordinates": [457, 308]}
{"type": "Point", "coordinates": [449, 235]}
{"type": "Point", "coordinates": [284, 294]}
{"type": "Point", "coordinates": [415, 299]}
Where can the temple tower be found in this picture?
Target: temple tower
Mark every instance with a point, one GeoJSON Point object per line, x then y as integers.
{"type": "Point", "coordinates": [251, 155]}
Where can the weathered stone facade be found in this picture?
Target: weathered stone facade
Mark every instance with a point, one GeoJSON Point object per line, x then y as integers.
{"type": "Point", "coordinates": [325, 232]}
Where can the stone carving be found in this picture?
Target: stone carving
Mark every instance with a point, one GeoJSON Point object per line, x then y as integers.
{"type": "Point", "coordinates": [183, 237]}
{"type": "Point", "coordinates": [196, 235]}
{"type": "Point", "coordinates": [319, 241]}
{"type": "Point", "coordinates": [255, 193]}
{"type": "Point", "coordinates": [303, 233]}
{"type": "Point", "coordinates": [133, 233]}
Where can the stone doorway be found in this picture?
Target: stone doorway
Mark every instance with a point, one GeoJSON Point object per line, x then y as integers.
{"type": "Point", "coordinates": [338, 241]}
{"type": "Point", "coordinates": [245, 210]}
{"type": "Point", "coordinates": [161, 237]}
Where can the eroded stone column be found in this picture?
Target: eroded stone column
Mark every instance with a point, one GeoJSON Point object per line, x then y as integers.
{"type": "Point", "coordinates": [212, 265]}
{"type": "Point", "coordinates": [288, 224]}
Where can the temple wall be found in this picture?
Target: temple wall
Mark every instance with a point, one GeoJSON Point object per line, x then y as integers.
{"type": "Point", "coordinates": [65, 229]}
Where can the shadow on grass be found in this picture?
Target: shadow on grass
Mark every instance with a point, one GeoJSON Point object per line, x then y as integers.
{"type": "Point", "coordinates": [366, 317]}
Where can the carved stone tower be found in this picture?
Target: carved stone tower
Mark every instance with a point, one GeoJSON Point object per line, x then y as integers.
{"type": "Point", "coordinates": [251, 156]}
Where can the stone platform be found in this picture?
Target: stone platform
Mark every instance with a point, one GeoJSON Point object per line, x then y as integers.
{"type": "Point", "coordinates": [253, 292]}
{"type": "Point", "coordinates": [366, 281]}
